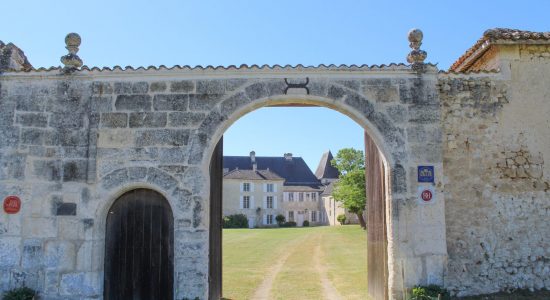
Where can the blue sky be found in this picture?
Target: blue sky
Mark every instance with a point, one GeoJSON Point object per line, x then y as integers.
{"type": "Point", "coordinates": [143, 33]}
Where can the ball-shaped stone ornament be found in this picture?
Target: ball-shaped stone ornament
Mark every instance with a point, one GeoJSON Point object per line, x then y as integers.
{"type": "Point", "coordinates": [415, 35]}
{"type": "Point", "coordinates": [72, 39]}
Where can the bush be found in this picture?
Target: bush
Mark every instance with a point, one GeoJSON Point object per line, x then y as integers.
{"type": "Point", "coordinates": [280, 220]}
{"type": "Point", "coordinates": [288, 224]}
{"type": "Point", "coordinates": [341, 219]}
{"type": "Point", "coordinates": [430, 292]}
{"type": "Point", "coordinates": [235, 221]}
{"type": "Point", "coordinates": [306, 223]}
{"type": "Point", "coordinates": [23, 293]}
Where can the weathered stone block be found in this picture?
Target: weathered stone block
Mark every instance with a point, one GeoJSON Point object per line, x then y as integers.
{"type": "Point", "coordinates": [9, 137]}
{"type": "Point", "coordinates": [47, 169]}
{"type": "Point", "coordinates": [115, 138]}
{"type": "Point", "coordinates": [256, 90]}
{"type": "Point", "coordinates": [211, 87]}
{"type": "Point", "coordinates": [34, 136]}
{"type": "Point", "coordinates": [399, 179]}
{"type": "Point", "coordinates": [161, 179]}
{"type": "Point", "coordinates": [137, 173]}
{"type": "Point", "coordinates": [64, 120]}
{"type": "Point", "coordinates": [80, 284]}
{"type": "Point", "coordinates": [75, 170]}
{"type": "Point", "coordinates": [12, 166]}
{"type": "Point", "coordinates": [101, 88]}
{"type": "Point", "coordinates": [162, 137]}
{"type": "Point", "coordinates": [101, 103]}
{"type": "Point", "coordinates": [172, 155]}
{"type": "Point", "coordinates": [236, 101]}
{"type": "Point", "coordinates": [335, 92]}
{"type": "Point", "coordinates": [9, 251]}
{"type": "Point", "coordinates": [184, 86]}
{"type": "Point", "coordinates": [360, 103]}
{"type": "Point", "coordinates": [149, 119]}
{"type": "Point", "coordinates": [114, 179]}
{"type": "Point", "coordinates": [114, 120]}
{"type": "Point", "coordinates": [397, 113]}
{"type": "Point", "coordinates": [29, 103]}
{"type": "Point", "coordinates": [424, 114]}
{"type": "Point", "coordinates": [173, 102]}
{"type": "Point", "coordinates": [424, 134]}
{"type": "Point", "coordinates": [159, 86]}
{"type": "Point", "coordinates": [32, 119]}
{"type": "Point", "coordinates": [133, 102]}
{"type": "Point", "coordinates": [203, 102]}
{"type": "Point", "coordinates": [185, 119]}
{"type": "Point", "coordinates": [32, 254]}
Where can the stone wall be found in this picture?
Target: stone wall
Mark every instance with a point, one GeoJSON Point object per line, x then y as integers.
{"type": "Point", "coordinates": [70, 145]}
{"type": "Point", "coordinates": [497, 182]}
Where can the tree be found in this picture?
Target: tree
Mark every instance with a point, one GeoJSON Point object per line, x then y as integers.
{"type": "Point", "coordinates": [341, 219]}
{"type": "Point", "coordinates": [280, 219]}
{"type": "Point", "coordinates": [350, 190]}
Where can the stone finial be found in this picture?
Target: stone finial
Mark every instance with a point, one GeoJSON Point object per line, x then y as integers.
{"type": "Point", "coordinates": [71, 61]}
{"type": "Point", "coordinates": [416, 57]}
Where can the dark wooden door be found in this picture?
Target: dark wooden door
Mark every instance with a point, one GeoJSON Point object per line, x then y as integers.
{"type": "Point", "coordinates": [139, 248]}
{"type": "Point", "coordinates": [215, 254]}
{"type": "Point", "coordinates": [376, 222]}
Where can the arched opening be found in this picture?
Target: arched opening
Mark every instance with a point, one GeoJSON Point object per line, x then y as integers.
{"type": "Point", "coordinates": [378, 192]}
{"type": "Point", "coordinates": [139, 242]}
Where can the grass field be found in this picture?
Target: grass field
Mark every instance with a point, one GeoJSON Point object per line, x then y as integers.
{"type": "Point", "coordinates": [295, 263]}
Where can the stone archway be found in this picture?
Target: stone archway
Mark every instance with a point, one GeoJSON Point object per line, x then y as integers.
{"type": "Point", "coordinates": [377, 235]}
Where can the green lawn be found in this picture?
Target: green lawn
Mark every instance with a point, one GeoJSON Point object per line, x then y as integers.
{"type": "Point", "coordinates": [250, 255]}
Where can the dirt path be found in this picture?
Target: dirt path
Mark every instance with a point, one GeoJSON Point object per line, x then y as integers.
{"type": "Point", "coordinates": [263, 290]}
{"type": "Point", "coordinates": [329, 291]}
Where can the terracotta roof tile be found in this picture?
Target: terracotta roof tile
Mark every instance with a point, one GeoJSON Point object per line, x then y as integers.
{"type": "Point", "coordinates": [492, 36]}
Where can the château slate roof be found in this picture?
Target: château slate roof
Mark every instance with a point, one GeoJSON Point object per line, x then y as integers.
{"type": "Point", "coordinates": [498, 36]}
{"type": "Point", "coordinates": [294, 171]}
{"type": "Point", "coordinates": [325, 168]}
{"type": "Point", "coordinates": [252, 175]}
{"type": "Point", "coordinates": [329, 188]}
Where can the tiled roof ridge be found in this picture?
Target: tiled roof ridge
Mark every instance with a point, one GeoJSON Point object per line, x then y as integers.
{"type": "Point", "coordinates": [495, 34]}
{"type": "Point", "coordinates": [229, 67]}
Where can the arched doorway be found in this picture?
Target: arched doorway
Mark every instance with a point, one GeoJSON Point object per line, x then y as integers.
{"type": "Point", "coordinates": [139, 247]}
{"type": "Point", "coordinates": [378, 182]}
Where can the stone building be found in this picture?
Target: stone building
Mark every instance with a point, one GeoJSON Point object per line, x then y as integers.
{"type": "Point", "coordinates": [294, 191]}
{"type": "Point", "coordinates": [84, 148]}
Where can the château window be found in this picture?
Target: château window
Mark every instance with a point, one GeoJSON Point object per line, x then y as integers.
{"type": "Point", "coordinates": [313, 196]}
{"type": "Point", "coordinates": [269, 188]}
{"type": "Point", "coordinates": [291, 197]}
{"type": "Point", "coordinates": [269, 202]}
{"type": "Point", "coordinates": [307, 196]}
{"type": "Point", "coordinates": [301, 197]}
{"type": "Point", "coordinates": [313, 216]}
{"type": "Point", "coordinates": [269, 219]}
{"type": "Point", "coordinates": [246, 201]}
{"type": "Point", "coordinates": [291, 216]}
{"type": "Point", "coordinates": [246, 187]}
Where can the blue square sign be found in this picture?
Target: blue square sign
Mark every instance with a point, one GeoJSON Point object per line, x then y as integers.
{"type": "Point", "coordinates": [426, 174]}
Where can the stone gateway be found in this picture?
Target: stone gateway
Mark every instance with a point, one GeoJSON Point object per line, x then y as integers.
{"type": "Point", "coordinates": [78, 145]}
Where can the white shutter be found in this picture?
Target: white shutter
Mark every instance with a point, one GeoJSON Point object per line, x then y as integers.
{"type": "Point", "coordinates": [265, 187]}
{"type": "Point", "coordinates": [286, 215]}
{"type": "Point", "coordinates": [265, 219]}
{"type": "Point", "coordinates": [275, 202]}
{"type": "Point", "coordinates": [241, 202]}
{"type": "Point", "coordinates": [252, 187]}
{"type": "Point", "coordinates": [241, 186]}
{"type": "Point", "coordinates": [296, 197]}
{"type": "Point", "coordinates": [252, 202]}
{"type": "Point", "coordinates": [265, 201]}
{"type": "Point", "coordinates": [275, 187]}
{"type": "Point", "coordinates": [285, 197]}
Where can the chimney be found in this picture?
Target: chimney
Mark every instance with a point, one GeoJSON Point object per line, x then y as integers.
{"type": "Point", "coordinates": [253, 157]}
{"type": "Point", "coordinates": [288, 156]}
{"type": "Point", "coordinates": [254, 166]}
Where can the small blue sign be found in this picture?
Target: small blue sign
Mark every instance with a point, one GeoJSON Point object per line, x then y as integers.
{"type": "Point", "coordinates": [426, 174]}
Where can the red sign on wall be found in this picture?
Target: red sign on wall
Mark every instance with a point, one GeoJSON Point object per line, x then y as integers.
{"type": "Point", "coordinates": [426, 195]}
{"type": "Point", "coordinates": [12, 204]}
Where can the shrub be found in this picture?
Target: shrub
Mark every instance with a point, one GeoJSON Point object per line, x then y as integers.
{"type": "Point", "coordinates": [430, 292]}
{"type": "Point", "coordinates": [306, 223]}
{"type": "Point", "coordinates": [341, 219]}
{"type": "Point", "coordinates": [280, 219]}
{"type": "Point", "coordinates": [288, 224]}
{"type": "Point", "coordinates": [22, 293]}
{"type": "Point", "coordinates": [235, 221]}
